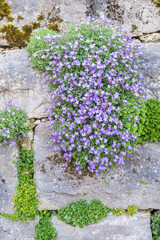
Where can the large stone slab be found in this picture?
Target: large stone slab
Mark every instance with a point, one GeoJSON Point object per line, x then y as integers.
{"type": "Point", "coordinates": [10, 230]}
{"type": "Point", "coordinates": [140, 17]}
{"type": "Point", "coordinates": [8, 178]}
{"type": "Point", "coordinates": [138, 182]}
{"type": "Point", "coordinates": [151, 57]}
{"type": "Point", "coordinates": [110, 228]}
{"type": "Point", "coordinates": [22, 84]}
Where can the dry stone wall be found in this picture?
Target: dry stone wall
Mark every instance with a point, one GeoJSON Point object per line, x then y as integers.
{"type": "Point", "coordinates": [57, 186]}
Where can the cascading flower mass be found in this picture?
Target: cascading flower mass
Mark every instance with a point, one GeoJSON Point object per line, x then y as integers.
{"type": "Point", "coordinates": [94, 72]}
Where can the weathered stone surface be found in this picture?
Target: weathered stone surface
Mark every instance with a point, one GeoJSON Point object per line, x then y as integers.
{"type": "Point", "coordinates": [110, 228]}
{"type": "Point", "coordinates": [140, 17]}
{"type": "Point", "coordinates": [22, 84]}
{"type": "Point", "coordinates": [154, 37]}
{"type": "Point", "coordinates": [10, 230]}
{"type": "Point", "coordinates": [8, 178]}
{"type": "Point", "coordinates": [57, 186]}
{"type": "Point", "coordinates": [151, 57]}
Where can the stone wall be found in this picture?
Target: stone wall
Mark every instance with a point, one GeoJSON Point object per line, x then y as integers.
{"type": "Point", "coordinates": [55, 185]}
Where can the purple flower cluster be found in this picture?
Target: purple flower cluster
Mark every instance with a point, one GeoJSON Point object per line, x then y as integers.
{"type": "Point", "coordinates": [12, 124]}
{"type": "Point", "coordinates": [94, 70]}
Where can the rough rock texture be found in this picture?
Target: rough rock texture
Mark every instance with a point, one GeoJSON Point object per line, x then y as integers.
{"type": "Point", "coordinates": [57, 186]}
{"type": "Point", "coordinates": [151, 57]}
{"type": "Point", "coordinates": [17, 230]}
{"type": "Point", "coordinates": [140, 17]}
{"type": "Point", "coordinates": [8, 178]}
{"type": "Point", "coordinates": [23, 85]}
{"type": "Point", "coordinates": [155, 37]}
{"type": "Point", "coordinates": [110, 228]}
{"type": "Point", "coordinates": [136, 15]}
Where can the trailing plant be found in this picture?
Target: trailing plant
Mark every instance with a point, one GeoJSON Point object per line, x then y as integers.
{"type": "Point", "coordinates": [155, 226]}
{"type": "Point", "coordinates": [149, 121]}
{"type": "Point", "coordinates": [131, 210]}
{"type": "Point", "coordinates": [37, 43]}
{"type": "Point", "coordinates": [25, 202]}
{"type": "Point", "coordinates": [82, 213]}
{"type": "Point", "coordinates": [13, 127]}
{"type": "Point", "coordinates": [44, 229]}
{"type": "Point", "coordinates": [94, 71]}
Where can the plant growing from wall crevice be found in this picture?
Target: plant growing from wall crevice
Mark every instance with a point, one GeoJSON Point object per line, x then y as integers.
{"type": "Point", "coordinates": [94, 72]}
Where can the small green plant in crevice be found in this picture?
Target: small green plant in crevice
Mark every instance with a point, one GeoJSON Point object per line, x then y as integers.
{"type": "Point", "coordinates": [155, 226]}
{"type": "Point", "coordinates": [118, 212]}
{"type": "Point", "coordinates": [25, 202]}
{"type": "Point", "coordinates": [131, 210]}
{"type": "Point", "coordinates": [149, 123]}
{"type": "Point", "coordinates": [144, 183]}
{"type": "Point", "coordinates": [13, 127]}
{"type": "Point", "coordinates": [44, 229]}
{"type": "Point", "coordinates": [38, 43]}
{"type": "Point", "coordinates": [82, 213]}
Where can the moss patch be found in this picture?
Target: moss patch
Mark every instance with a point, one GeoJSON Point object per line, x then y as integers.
{"type": "Point", "coordinates": [5, 11]}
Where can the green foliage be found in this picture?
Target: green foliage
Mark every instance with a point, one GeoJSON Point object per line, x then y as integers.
{"type": "Point", "coordinates": [118, 212]}
{"type": "Point", "coordinates": [144, 183]}
{"type": "Point", "coordinates": [13, 125]}
{"type": "Point", "coordinates": [149, 125]}
{"type": "Point", "coordinates": [130, 114]}
{"type": "Point", "coordinates": [37, 43]}
{"type": "Point", "coordinates": [82, 213]}
{"type": "Point", "coordinates": [44, 229]}
{"type": "Point", "coordinates": [105, 182]}
{"type": "Point", "coordinates": [155, 226]}
{"type": "Point", "coordinates": [131, 210]}
{"type": "Point", "coordinates": [25, 202]}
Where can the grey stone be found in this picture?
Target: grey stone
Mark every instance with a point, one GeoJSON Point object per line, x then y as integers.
{"type": "Point", "coordinates": [57, 186]}
{"type": "Point", "coordinates": [151, 57]}
{"type": "Point", "coordinates": [135, 15]}
{"type": "Point", "coordinates": [110, 228]}
{"type": "Point", "coordinates": [140, 17]}
{"type": "Point", "coordinates": [8, 178]}
{"type": "Point", "coordinates": [154, 37]}
{"type": "Point", "coordinates": [22, 84]}
{"type": "Point", "coordinates": [10, 230]}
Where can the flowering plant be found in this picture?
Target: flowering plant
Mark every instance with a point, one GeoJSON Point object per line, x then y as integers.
{"type": "Point", "coordinates": [12, 124]}
{"type": "Point", "coordinates": [93, 74]}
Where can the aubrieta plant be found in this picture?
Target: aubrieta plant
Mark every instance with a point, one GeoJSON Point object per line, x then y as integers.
{"type": "Point", "coordinates": [13, 125]}
{"type": "Point", "coordinates": [94, 72]}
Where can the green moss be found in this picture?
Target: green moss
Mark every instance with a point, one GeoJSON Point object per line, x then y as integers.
{"type": "Point", "coordinates": [5, 11]}
{"type": "Point", "coordinates": [16, 37]}
{"type": "Point", "coordinates": [19, 17]}
{"type": "Point", "coordinates": [54, 27]}
{"type": "Point", "coordinates": [134, 27]}
{"type": "Point", "coordinates": [40, 17]}
{"type": "Point", "coordinates": [157, 3]}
